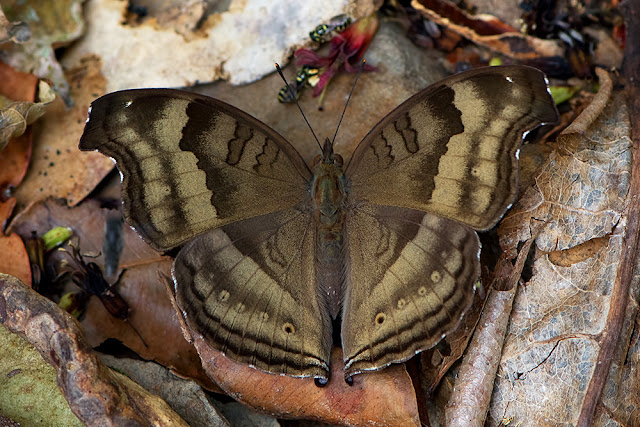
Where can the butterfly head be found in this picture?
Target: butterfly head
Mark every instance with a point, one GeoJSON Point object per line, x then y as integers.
{"type": "Point", "coordinates": [328, 157]}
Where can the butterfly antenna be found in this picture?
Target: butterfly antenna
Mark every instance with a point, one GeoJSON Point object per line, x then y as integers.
{"type": "Point", "coordinates": [299, 108]}
{"type": "Point", "coordinates": [347, 103]}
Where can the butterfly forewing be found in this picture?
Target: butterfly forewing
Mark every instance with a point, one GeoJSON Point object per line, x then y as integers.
{"type": "Point", "coordinates": [451, 148]}
{"type": "Point", "coordinates": [191, 163]}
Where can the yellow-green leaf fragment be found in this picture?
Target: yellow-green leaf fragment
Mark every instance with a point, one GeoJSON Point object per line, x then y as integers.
{"type": "Point", "coordinates": [56, 237]}
{"type": "Point", "coordinates": [561, 94]}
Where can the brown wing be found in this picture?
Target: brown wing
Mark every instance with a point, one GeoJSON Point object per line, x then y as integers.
{"type": "Point", "coordinates": [190, 163]}
{"type": "Point", "coordinates": [249, 289]}
{"type": "Point", "coordinates": [451, 149]}
{"type": "Point", "coordinates": [411, 277]}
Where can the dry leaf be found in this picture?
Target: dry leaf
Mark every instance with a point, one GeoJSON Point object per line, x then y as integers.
{"type": "Point", "coordinates": [560, 316]}
{"type": "Point", "coordinates": [58, 168]}
{"type": "Point", "coordinates": [511, 44]}
{"type": "Point", "coordinates": [14, 259]}
{"type": "Point", "coordinates": [151, 312]}
{"type": "Point", "coordinates": [17, 115]}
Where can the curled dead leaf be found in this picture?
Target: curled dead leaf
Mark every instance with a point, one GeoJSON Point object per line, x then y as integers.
{"type": "Point", "coordinates": [511, 44]}
{"type": "Point", "coordinates": [16, 116]}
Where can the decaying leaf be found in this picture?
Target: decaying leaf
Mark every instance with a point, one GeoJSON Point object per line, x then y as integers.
{"type": "Point", "coordinates": [14, 259]}
{"type": "Point", "coordinates": [96, 395]}
{"type": "Point", "coordinates": [560, 316]}
{"type": "Point", "coordinates": [52, 24]}
{"type": "Point", "coordinates": [16, 115]}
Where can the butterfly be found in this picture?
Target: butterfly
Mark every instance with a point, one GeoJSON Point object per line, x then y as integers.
{"type": "Point", "coordinates": [275, 253]}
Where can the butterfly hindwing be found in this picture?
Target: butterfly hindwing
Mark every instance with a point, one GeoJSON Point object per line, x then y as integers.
{"type": "Point", "coordinates": [249, 289]}
{"type": "Point", "coordinates": [411, 276]}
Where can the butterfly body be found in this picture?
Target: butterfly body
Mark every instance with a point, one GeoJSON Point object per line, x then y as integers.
{"type": "Point", "coordinates": [273, 251]}
{"type": "Point", "coordinates": [330, 210]}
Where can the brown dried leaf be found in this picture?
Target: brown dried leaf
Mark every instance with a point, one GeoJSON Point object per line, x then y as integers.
{"type": "Point", "coordinates": [581, 189]}
{"type": "Point", "coordinates": [58, 168]}
{"type": "Point", "coordinates": [384, 397]}
{"type": "Point", "coordinates": [17, 115]}
{"type": "Point", "coordinates": [151, 312]}
{"type": "Point", "coordinates": [560, 318]}
{"type": "Point", "coordinates": [14, 259]}
{"type": "Point", "coordinates": [96, 395]}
